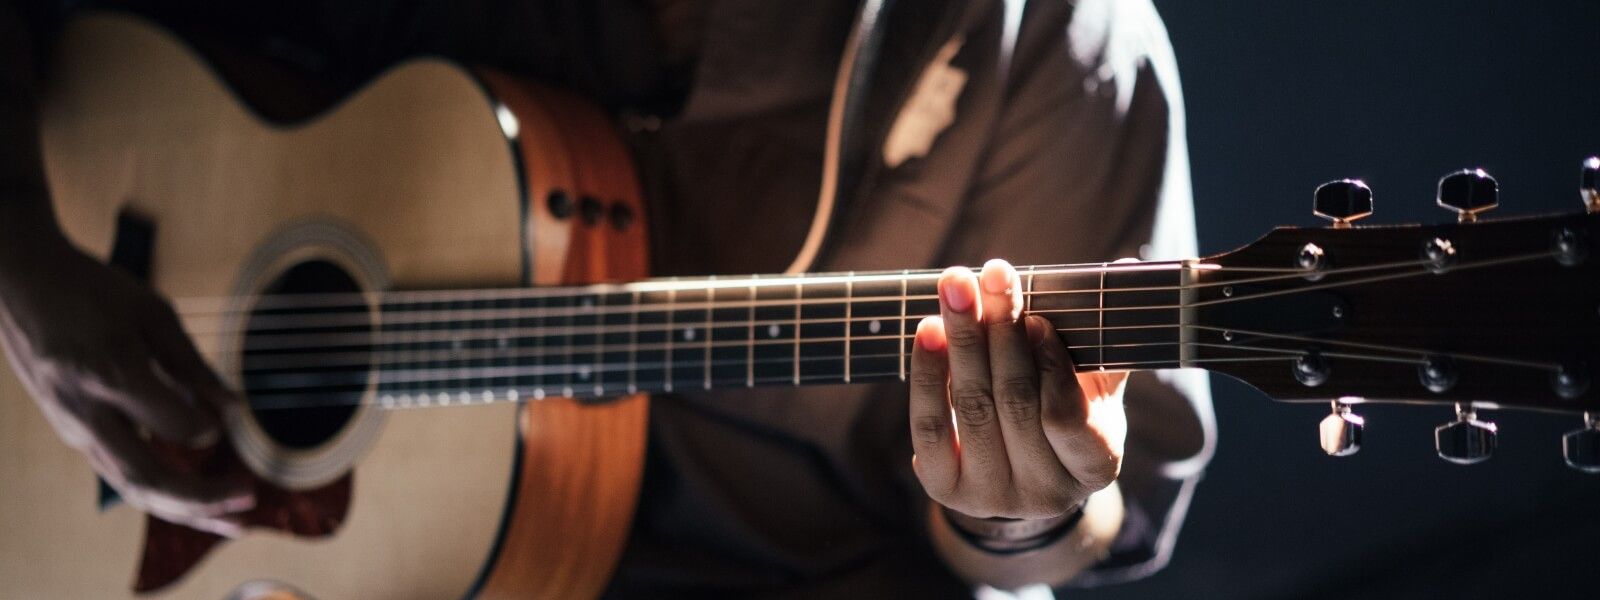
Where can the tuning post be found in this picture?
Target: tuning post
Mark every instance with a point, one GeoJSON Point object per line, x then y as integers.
{"type": "Point", "coordinates": [1312, 369]}
{"type": "Point", "coordinates": [1589, 184]}
{"type": "Point", "coordinates": [1466, 440]}
{"type": "Point", "coordinates": [1569, 247]}
{"type": "Point", "coordinates": [1343, 202]}
{"type": "Point", "coordinates": [1469, 192]}
{"type": "Point", "coordinates": [1340, 431]}
{"type": "Point", "coordinates": [1438, 373]}
{"type": "Point", "coordinates": [1439, 254]}
{"type": "Point", "coordinates": [1581, 448]}
{"type": "Point", "coordinates": [1570, 380]}
{"type": "Point", "coordinates": [1312, 260]}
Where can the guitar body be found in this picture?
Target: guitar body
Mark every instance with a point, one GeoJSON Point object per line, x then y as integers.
{"type": "Point", "coordinates": [433, 176]}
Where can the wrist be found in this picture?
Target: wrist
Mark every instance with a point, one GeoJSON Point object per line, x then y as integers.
{"type": "Point", "coordinates": [1002, 535]}
{"type": "Point", "coordinates": [1075, 549]}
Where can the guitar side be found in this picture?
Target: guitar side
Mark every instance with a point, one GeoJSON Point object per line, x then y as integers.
{"type": "Point", "coordinates": [419, 166]}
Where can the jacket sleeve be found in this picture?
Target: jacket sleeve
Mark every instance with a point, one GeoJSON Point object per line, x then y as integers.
{"type": "Point", "coordinates": [1088, 162]}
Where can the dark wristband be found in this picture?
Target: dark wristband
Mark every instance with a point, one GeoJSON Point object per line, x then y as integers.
{"type": "Point", "coordinates": [1000, 535]}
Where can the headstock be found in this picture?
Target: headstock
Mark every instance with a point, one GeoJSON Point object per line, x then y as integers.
{"type": "Point", "coordinates": [1478, 314]}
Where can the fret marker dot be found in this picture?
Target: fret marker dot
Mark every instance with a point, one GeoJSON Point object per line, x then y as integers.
{"type": "Point", "coordinates": [444, 398]}
{"type": "Point", "coordinates": [487, 396]}
{"type": "Point", "coordinates": [875, 326]}
{"type": "Point", "coordinates": [688, 335]}
{"type": "Point", "coordinates": [773, 330]}
{"type": "Point", "coordinates": [512, 394]}
{"type": "Point", "coordinates": [538, 393]}
{"type": "Point", "coordinates": [465, 398]}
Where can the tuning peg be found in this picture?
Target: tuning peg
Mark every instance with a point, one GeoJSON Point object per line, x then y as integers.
{"type": "Point", "coordinates": [1341, 431]}
{"type": "Point", "coordinates": [1581, 447]}
{"type": "Point", "coordinates": [1343, 201]}
{"type": "Point", "coordinates": [1465, 440]}
{"type": "Point", "coordinates": [1469, 192]}
{"type": "Point", "coordinates": [1589, 184]}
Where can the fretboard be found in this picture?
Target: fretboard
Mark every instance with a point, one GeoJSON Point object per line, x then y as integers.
{"type": "Point", "coordinates": [683, 335]}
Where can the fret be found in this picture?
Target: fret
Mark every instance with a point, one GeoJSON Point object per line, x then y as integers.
{"type": "Point", "coordinates": [849, 293]}
{"type": "Point", "coordinates": [1138, 319]}
{"type": "Point", "coordinates": [772, 360]}
{"type": "Point", "coordinates": [532, 382]}
{"type": "Point", "coordinates": [691, 315]}
{"type": "Point", "coordinates": [616, 338]}
{"type": "Point", "coordinates": [875, 330]}
{"type": "Point", "coordinates": [822, 333]}
{"type": "Point", "coordinates": [651, 339]}
{"type": "Point", "coordinates": [750, 340]}
{"type": "Point", "coordinates": [672, 300]}
{"type": "Point", "coordinates": [559, 364]}
{"type": "Point", "coordinates": [503, 346]}
{"type": "Point", "coordinates": [902, 344]}
{"type": "Point", "coordinates": [633, 345]}
{"type": "Point", "coordinates": [585, 336]}
{"type": "Point", "coordinates": [711, 303]}
{"type": "Point", "coordinates": [1071, 302]}
{"type": "Point", "coordinates": [729, 342]}
{"type": "Point", "coordinates": [799, 294]}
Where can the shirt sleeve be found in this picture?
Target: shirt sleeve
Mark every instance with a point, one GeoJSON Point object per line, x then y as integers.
{"type": "Point", "coordinates": [1088, 162]}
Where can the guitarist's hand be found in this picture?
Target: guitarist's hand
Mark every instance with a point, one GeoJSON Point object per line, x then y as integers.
{"type": "Point", "coordinates": [106, 360]}
{"type": "Point", "coordinates": [1001, 424]}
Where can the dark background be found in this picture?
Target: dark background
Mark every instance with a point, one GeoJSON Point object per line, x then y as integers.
{"type": "Point", "coordinates": [1283, 95]}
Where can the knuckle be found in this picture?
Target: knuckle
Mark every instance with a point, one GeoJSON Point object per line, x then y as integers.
{"type": "Point", "coordinates": [973, 406]}
{"type": "Point", "coordinates": [927, 378]}
{"type": "Point", "coordinates": [930, 429]}
{"type": "Point", "coordinates": [964, 336]}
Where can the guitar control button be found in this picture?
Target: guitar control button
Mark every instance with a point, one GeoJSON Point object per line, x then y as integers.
{"type": "Point", "coordinates": [1589, 184]}
{"type": "Point", "coordinates": [1343, 201]}
{"type": "Point", "coordinates": [1340, 431]}
{"type": "Point", "coordinates": [592, 210]}
{"type": "Point", "coordinates": [1469, 192]}
{"type": "Point", "coordinates": [1465, 440]}
{"type": "Point", "coordinates": [621, 216]}
{"type": "Point", "coordinates": [1581, 448]}
{"type": "Point", "coordinates": [560, 204]}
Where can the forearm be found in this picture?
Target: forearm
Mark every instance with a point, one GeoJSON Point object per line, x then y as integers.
{"type": "Point", "coordinates": [1053, 564]}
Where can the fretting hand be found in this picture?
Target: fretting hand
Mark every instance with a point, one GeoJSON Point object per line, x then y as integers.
{"type": "Point", "coordinates": [1001, 424]}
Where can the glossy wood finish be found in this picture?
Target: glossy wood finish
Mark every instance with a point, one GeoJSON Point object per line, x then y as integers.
{"type": "Point", "coordinates": [581, 463]}
{"type": "Point", "coordinates": [1504, 296]}
{"type": "Point", "coordinates": [134, 119]}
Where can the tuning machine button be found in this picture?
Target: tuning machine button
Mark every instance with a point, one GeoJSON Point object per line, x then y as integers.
{"type": "Point", "coordinates": [1340, 431]}
{"type": "Point", "coordinates": [1343, 201]}
{"type": "Point", "coordinates": [1589, 184]}
{"type": "Point", "coordinates": [1466, 440]}
{"type": "Point", "coordinates": [1581, 448]}
{"type": "Point", "coordinates": [1469, 192]}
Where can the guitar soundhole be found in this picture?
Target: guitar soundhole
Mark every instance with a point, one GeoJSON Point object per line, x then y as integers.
{"type": "Point", "coordinates": [307, 350]}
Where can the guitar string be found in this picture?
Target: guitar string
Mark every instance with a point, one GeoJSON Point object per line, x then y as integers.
{"type": "Point", "coordinates": [393, 313]}
{"type": "Point", "coordinates": [285, 342]}
{"type": "Point", "coordinates": [279, 399]}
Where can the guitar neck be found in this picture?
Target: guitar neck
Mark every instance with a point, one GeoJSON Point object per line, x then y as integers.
{"type": "Point", "coordinates": [669, 335]}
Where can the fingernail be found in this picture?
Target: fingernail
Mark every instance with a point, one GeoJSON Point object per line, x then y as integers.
{"type": "Point", "coordinates": [928, 337]}
{"type": "Point", "coordinates": [957, 294]}
{"type": "Point", "coordinates": [996, 278]}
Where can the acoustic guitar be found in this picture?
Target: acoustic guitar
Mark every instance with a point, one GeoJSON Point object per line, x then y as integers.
{"type": "Point", "coordinates": [447, 354]}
